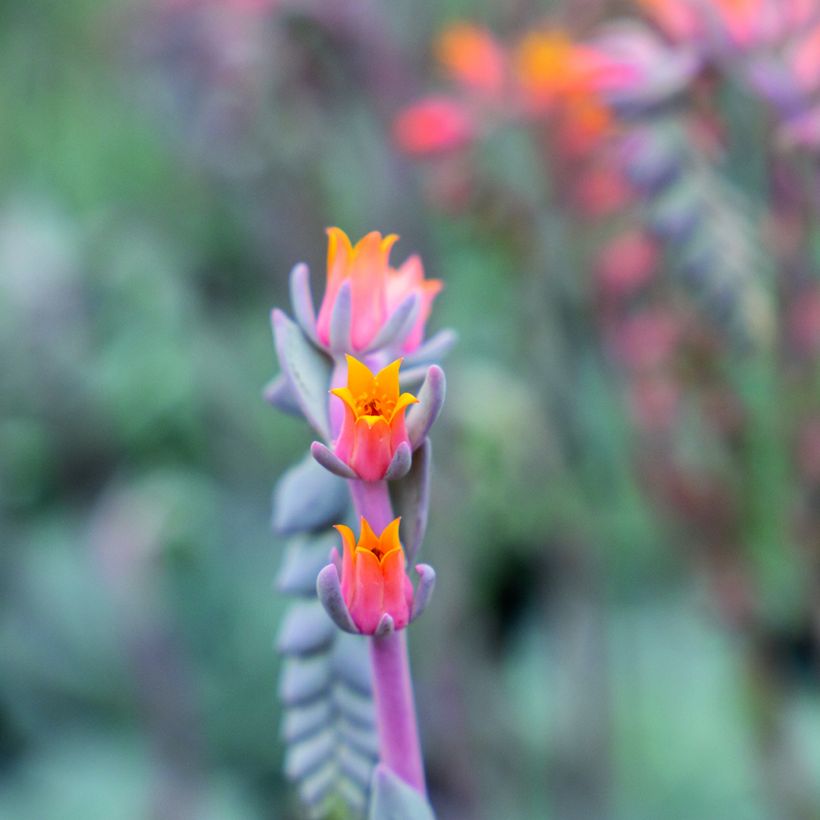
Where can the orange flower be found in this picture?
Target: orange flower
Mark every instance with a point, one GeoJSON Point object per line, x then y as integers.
{"type": "Point", "coordinates": [374, 581]}
{"type": "Point", "coordinates": [550, 66]}
{"type": "Point", "coordinates": [552, 70]}
{"type": "Point", "coordinates": [473, 57]}
{"type": "Point", "coordinates": [376, 289]}
{"type": "Point", "coordinates": [373, 427]}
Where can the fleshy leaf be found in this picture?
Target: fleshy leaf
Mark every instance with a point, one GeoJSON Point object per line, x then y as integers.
{"type": "Point", "coordinates": [351, 663]}
{"type": "Point", "coordinates": [356, 707]}
{"type": "Point", "coordinates": [398, 325]}
{"type": "Point", "coordinates": [340, 319]}
{"type": "Point", "coordinates": [400, 463]}
{"type": "Point", "coordinates": [308, 497]}
{"type": "Point", "coordinates": [304, 557]}
{"type": "Point", "coordinates": [315, 788]}
{"type": "Point", "coordinates": [363, 741]}
{"type": "Point", "coordinates": [309, 754]}
{"type": "Point", "coordinates": [305, 630]}
{"type": "Point", "coordinates": [279, 393]}
{"type": "Point", "coordinates": [385, 626]}
{"type": "Point", "coordinates": [307, 370]}
{"type": "Point", "coordinates": [433, 350]}
{"type": "Point", "coordinates": [424, 590]}
{"type": "Point", "coordinates": [330, 461]}
{"type": "Point", "coordinates": [329, 590]}
{"type": "Point", "coordinates": [359, 768]}
{"type": "Point", "coordinates": [411, 498]}
{"type": "Point", "coordinates": [299, 722]}
{"type": "Point", "coordinates": [303, 679]}
{"type": "Point", "coordinates": [412, 376]}
{"type": "Point", "coordinates": [392, 799]}
{"type": "Point", "coordinates": [423, 415]}
{"type": "Point", "coordinates": [301, 301]}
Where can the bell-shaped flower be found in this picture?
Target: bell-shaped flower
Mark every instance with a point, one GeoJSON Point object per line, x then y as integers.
{"type": "Point", "coordinates": [367, 590]}
{"type": "Point", "coordinates": [374, 581]}
{"type": "Point", "coordinates": [363, 293]}
{"type": "Point", "coordinates": [373, 438]}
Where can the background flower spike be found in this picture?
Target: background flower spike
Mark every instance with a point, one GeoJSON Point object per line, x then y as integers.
{"type": "Point", "coordinates": [301, 301]}
{"type": "Point", "coordinates": [329, 590]}
{"type": "Point", "coordinates": [385, 626]}
{"type": "Point", "coordinates": [398, 326]}
{"type": "Point", "coordinates": [424, 590]}
{"type": "Point", "coordinates": [330, 461]}
{"type": "Point", "coordinates": [340, 320]}
{"type": "Point", "coordinates": [422, 416]}
{"type": "Point", "coordinates": [400, 463]}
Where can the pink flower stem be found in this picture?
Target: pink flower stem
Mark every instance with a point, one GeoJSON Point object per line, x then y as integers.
{"type": "Point", "coordinates": [399, 747]}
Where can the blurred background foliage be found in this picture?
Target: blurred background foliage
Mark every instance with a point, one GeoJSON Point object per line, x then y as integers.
{"type": "Point", "coordinates": [163, 165]}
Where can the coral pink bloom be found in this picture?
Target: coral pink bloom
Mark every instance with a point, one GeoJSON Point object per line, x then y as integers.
{"type": "Point", "coordinates": [373, 424]}
{"type": "Point", "coordinates": [434, 125]}
{"type": "Point", "coordinates": [473, 58]}
{"type": "Point", "coordinates": [376, 288]}
{"type": "Point", "coordinates": [374, 581]}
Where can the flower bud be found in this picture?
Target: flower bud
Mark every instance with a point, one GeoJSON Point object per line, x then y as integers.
{"type": "Point", "coordinates": [374, 581]}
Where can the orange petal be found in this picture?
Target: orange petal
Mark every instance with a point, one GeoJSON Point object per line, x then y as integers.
{"type": "Point", "coordinates": [348, 561]}
{"type": "Point", "coordinates": [346, 395]}
{"type": "Point", "coordinates": [388, 379]}
{"type": "Point", "coordinates": [390, 537]}
{"type": "Point", "coordinates": [360, 379]}
{"type": "Point", "coordinates": [404, 401]}
{"type": "Point", "coordinates": [338, 248]}
{"type": "Point", "coordinates": [368, 539]}
{"type": "Point", "coordinates": [387, 243]}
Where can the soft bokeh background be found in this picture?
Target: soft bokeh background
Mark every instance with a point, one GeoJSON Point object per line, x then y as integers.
{"type": "Point", "coordinates": [162, 166]}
